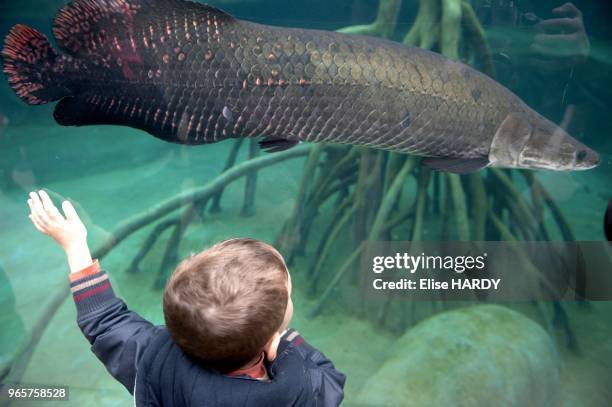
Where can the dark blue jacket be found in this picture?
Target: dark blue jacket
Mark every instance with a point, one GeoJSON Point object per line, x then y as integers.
{"type": "Point", "coordinates": [144, 358]}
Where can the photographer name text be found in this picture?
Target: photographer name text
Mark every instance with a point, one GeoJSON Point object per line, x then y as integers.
{"type": "Point", "coordinates": [411, 264]}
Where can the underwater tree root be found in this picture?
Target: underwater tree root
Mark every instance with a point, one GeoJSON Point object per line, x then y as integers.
{"type": "Point", "coordinates": [171, 257]}
{"type": "Point", "coordinates": [248, 207]}
{"type": "Point", "coordinates": [376, 231]}
{"type": "Point", "coordinates": [290, 235]}
{"type": "Point", "coordinates": [215, 206]}
{"type": "Point", "coordinates": [385, 23]}
{"type": "Point", "coordinates": [155, 234]}
{"type": "Point", "coordinates": [327, 245]}
{"type": "Point", "coordinates": [133, 224]}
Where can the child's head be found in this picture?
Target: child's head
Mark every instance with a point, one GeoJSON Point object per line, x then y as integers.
{"type": "Point", "coordinates": [227, 304]}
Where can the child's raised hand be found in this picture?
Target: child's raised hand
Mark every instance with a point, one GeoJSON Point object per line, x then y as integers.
{"type": "Point", "coordinates": [67, 230]}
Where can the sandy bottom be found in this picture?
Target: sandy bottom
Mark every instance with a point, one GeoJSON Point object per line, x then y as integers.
{"type": "Point", "coordinates": [36, 269]}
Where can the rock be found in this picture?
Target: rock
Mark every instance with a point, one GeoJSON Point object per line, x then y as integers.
{"type": "Point", "coordinates": [475, 356]}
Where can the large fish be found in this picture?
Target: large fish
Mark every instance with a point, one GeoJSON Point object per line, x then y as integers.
{"type": "Point", "coordinates": [189, 73]}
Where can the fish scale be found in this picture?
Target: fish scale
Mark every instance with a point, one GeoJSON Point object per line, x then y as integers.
{"type": "Point", "coordinates": [189, 73]}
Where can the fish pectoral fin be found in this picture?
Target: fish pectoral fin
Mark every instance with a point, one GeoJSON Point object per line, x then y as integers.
{"type": "Point", "coordinates": [456, 165]}
{"type": "Point", "coordinates": [274, 145]}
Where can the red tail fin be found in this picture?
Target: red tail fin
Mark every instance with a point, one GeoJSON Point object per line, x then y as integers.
{"type": "Point", "coordinates": [29, 60]}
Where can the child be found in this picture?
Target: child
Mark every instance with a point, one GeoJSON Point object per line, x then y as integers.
{"type": "Point", "coordinates": [226, 340]}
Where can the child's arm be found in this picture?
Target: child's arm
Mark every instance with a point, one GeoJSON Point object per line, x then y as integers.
{"type": "Point", "coordinates": [118, 336]}
{"type": "Point", "coordinates": [328, 381]}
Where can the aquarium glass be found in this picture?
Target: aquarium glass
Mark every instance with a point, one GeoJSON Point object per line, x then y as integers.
{"type": "Point", "coordinates": [331, 209]}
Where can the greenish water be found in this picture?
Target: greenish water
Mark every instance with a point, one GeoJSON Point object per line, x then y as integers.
{"type": "Point", "coordinates": [117, 173]}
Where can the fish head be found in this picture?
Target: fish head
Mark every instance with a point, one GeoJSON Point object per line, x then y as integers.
{"type": "Point", "coordinates": [533, 142]}
{"type": "Point", "coordinates": [551, 147]}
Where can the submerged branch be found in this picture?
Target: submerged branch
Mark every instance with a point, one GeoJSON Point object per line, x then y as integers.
{"type": "Point", "coordinates": [479, 206]}
{"type": "Point", "coordinates": [332, 285]}
{"type": "Point", "coordinates": [376, 231]}
{"type": "Point", "coordinates": [451, 28]}
{"type": "Point", "coordinates": [564, 227]}
{"type": "Point", "coordinates": [458, 196]}
{"type": "Point", "coordinates": [290, 236]}
{"type": "Point", "coordinates": [387, 204]}
{"type": "Point", "coordinates": [503, 230]}
{"type": "Point", "coordinates": [171, 258]}
{"type": "Point", "coordinates": [329, 241]}
{"type": "Point", "coordinates": [477, 38]}
{"type": "Point", "coordinates": [248, 207]}
{"type": "Point", "coordinates": [419, 211]}
{"type": "Point", "coordinates": [231, 161]}
{"type": "Point", "coordinates": [155, 234]}
{"type": "Point", "coordinates": [425, 32]}
{"type": "Point", "coordinates": [385, 23]}
{"type": "Point", "coordinates": [523, 213]}
{"type": "Point", "coordinates": [130, 225]}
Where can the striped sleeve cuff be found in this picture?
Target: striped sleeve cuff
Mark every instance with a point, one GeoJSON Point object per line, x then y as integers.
{"type": "Point", "coordinates": [87, 271]}
{"type": "Point", "coordinates": [292, 336]}
{"type": "Point", "coordinates": [91, 289]}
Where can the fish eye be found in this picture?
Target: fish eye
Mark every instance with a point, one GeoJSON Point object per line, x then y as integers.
{"type": "Point", "coordinates": [581, 155]}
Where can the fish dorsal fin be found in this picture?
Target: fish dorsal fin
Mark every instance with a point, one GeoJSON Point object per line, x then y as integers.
{"type": "Point", "coordinates": [192, 6]}
{"type": "Point", "coordinates": [112, 27]}
{"type": "Point", "coordinates": [456, 165]}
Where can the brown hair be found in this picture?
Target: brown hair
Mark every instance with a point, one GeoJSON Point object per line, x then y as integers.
{"type": "Point", "coordinates": [222, 305]}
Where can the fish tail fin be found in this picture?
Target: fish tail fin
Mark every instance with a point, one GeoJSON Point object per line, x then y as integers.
{"type": "Point", "coordinates": [30, 64]}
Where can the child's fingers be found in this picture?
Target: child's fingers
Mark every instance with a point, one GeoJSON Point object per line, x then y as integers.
{"type": "Point", "coordinates": [33, 210]}
{"type": "Point", "coordinates": [36, 203]}
{"type": "Point", "coordinates": [36, 225]}
{"type": "Point", "coordinates": [70, 212]}
{"type": "Point", "coordinates": [38, 222]}
{"type": "Point", "coordinates": [48, 205]}
{"type": "Point", "coordinates": [39, 210]}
